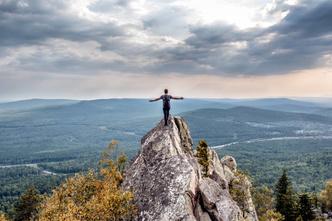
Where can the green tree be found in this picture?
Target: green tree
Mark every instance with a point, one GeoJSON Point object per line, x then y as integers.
{"type": "Point", "coordinates": [26, 207]}
{"type": "Point", "coordinates": [203, 156]}
{"type": "Point", "coordinates": [305, 207]}
{"type": "Point", "coordinates": [285, 200]}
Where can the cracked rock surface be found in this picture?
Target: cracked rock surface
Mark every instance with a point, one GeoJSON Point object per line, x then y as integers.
{"type": "Point", "coordinates": [168, 184]}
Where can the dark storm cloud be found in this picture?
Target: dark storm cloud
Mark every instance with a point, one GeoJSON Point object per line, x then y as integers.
{"type": "Point", "coordinates": [305, 22]}
{"type": "Point", "coordinates": [214, 35]}
{"type": "Point", "coordinates": [34, 21]}
{"type": "Point", "coordinates": [298, 42]}
{"type": "Point", "coordinates": [302, 38]}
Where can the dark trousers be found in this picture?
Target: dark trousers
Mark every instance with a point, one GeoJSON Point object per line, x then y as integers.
{"type": "Point", "coordinates": [166, 115]}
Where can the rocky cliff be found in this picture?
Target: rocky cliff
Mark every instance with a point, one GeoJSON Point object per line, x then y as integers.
{"type": "Point", "coordinates": [168, 182]}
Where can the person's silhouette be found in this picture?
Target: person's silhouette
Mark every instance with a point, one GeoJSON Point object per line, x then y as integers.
{"type": "Point", "coordinates": [166, 103]}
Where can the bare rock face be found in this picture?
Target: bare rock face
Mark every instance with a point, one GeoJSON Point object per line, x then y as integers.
{"type": "Point", "coordinates": [218, 202]}
{"type": "Point", "coordinates": [230, 162]}
{"type": "Point", "coordinates": [168, 184]}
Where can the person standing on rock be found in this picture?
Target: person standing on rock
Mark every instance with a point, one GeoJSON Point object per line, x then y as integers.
{"type": "Point", "coordinates": [166, 103]}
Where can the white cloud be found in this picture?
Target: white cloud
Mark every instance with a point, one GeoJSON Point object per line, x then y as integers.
{"type": "Point", "coordinates": [156, 37]}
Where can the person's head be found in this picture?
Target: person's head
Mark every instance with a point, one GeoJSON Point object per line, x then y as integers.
{"type": "Point", "coordinates": [166, 91]}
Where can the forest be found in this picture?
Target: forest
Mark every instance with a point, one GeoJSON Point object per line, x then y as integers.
{"type": "Point", "coordinates": [308, 161]}
{"type": "Point", "coordinates": [97, 194]}
{"type": "Point", "coordinates": [43, 143]}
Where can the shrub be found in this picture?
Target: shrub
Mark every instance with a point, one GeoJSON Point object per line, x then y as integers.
{"type": "Point", "coordinates": [238, 190]}
{"type": "Point", "coordinates": [93, 196]}
{"type": "Point", "coordinates": [203, 156]}
{"type": "Point", "coordinates": [27, 205]}
{"type": "Point", "coordinates": [272, 215]}
{"type": "Point", "coordinates": [2, 217]}
{"type": "Point", "coordinates": [263, 200]}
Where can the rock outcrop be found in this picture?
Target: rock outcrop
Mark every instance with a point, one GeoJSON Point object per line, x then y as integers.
{"type": "Point", "coordinates": [240, 186]}
{"type": "Point", "coordinates": [168, 183]}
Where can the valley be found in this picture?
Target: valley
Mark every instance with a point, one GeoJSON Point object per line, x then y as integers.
{"type": "Point", "coordinates": [46, 142]}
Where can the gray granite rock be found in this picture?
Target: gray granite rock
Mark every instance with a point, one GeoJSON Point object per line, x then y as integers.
{"type": "Point", "coordinates": [230, 162]}
{"type": "Point", "coordinates": [167, 181]}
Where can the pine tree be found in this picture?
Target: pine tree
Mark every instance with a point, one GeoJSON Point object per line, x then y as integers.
{"type": "Point", "coordinates": [285, 200]}
{"type": "Point", "coordinates": [305, 207]}
{"type": "Point", "coordinates": [203, 156]}
{"type": "Point", "coordinates": [27, 205]}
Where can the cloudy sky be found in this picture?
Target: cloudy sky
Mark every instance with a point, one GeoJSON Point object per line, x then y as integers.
{"type": "Point", "coordinates": [134, 48]}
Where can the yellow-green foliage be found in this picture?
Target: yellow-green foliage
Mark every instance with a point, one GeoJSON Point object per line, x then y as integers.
{"type": "Point", "coordinates": [93, 196]}
{"type": "Point", "coordinates": [106, 158]}
{"type": "Point", "coordinates": [326, 195]}
{"type": "Point", "coordinates": [2, 217]}
{"type": "Point", "coordinates": [272, 215]}
{"type": "Point", "coordinates": [263, 200]}
{"type": "Point", "coordinates": [319, 219]}
{"type": "Point", "coordinates": [237, 189]}
{"type": "Point", "coordinates": [299, 218]}
{"type": "Point", "coordinates": [203, 156]}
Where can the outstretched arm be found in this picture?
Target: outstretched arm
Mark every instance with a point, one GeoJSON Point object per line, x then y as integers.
{"type": "Point", "coordinates": [152, 100]}
{"type": "Point", "coordinates": [177, 98]}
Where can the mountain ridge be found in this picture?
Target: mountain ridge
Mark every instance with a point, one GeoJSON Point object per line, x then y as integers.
{"type": "Point", "coordinates": [262, 112]}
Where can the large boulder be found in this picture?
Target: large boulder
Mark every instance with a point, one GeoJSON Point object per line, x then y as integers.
{"type": "Point", "coordinates": [218, 202]}
{"type": "Point", "coordinates": [167, 179]}
{"type": "Point", "coordinates": [230, 162]}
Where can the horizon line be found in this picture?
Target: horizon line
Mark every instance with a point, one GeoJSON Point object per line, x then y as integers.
{"type": "Point", "coordinates": [139, 98]}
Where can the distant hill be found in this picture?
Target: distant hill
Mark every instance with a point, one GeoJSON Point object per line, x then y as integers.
{"type": "Point", "coordinates": [141, 107]}
{"type": "Point", "coordinates": [59, 128]}
{"type": "Point", "coordinates": [222, 126]}
{"type": "Point", "coordinates": [323, 101]}
{"type": "Point", "coordinates": [275, 101]}
{"type": "Point", "coordinates": [33, 104]}
{"type": "Point", "coordinates": [279, 104]}
{"type": "Point", "coordinates": [96, 111]}
{"type": "Point", "coordinates": [325, 112]}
